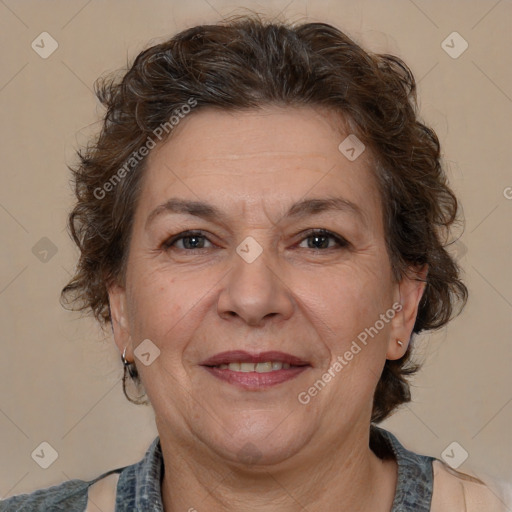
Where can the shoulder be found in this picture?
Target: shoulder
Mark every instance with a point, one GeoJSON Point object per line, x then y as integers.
{"type": "Point", "coordinates": [70, 496]}
{"type": "Point", "coordinates": [73, 495]}
{"type": "Point", "coordinates": [427, 483]}
{"type": "Point", "coordinates": [454, 491]}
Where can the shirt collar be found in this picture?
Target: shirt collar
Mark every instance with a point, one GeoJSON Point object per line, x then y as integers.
{"type": "Point", "coordinates": [415, 474]}
{"type": "Point", "coordinates": [139, 486]}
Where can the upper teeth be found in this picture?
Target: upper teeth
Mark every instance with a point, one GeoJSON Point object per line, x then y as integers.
{"type": "Point", "coordinates": [269, 366]}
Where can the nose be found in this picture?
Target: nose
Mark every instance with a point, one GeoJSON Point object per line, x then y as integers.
{"type": "Point", "coordinates": [254, 292]}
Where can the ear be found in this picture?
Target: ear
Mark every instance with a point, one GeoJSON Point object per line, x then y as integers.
{"type": "Point", "coordinates": [120, 324]}
{"type": "Point", "coordinates": [408, 295]}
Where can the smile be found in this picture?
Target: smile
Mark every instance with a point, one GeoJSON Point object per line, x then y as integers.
{"type": "Point", "coordinates": [269, 366]}
{"type": "Point", "coordinates": [248, 377]}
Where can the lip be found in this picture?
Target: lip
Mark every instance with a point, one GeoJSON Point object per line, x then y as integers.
{"type": "Point", "coordinates": [254, 381]}
{"type": "Point", "coordinates": [234, 356]}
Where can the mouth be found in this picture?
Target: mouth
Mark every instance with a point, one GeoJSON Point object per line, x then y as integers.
{"type": "Point", "coordinates": [255, 371]}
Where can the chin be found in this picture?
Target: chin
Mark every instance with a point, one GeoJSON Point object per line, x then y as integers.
{"type": "Point", "coordinates": [259, 441]}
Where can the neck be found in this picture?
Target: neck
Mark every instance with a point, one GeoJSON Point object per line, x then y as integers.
{"type": "Point", "coordinates": [347, 477]}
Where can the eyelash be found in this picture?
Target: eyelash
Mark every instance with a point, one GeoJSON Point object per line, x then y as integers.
{"type": "Point", "coordinates": [340, 241]}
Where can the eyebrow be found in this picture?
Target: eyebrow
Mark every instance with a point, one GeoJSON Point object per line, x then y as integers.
{"type": "Point", "coordinates": [299, 209]}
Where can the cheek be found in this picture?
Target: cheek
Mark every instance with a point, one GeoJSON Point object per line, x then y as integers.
{"type": "Point", "coordinates": [157, 302]}
{"type": "Point", "coordinates": [357, 350]}
{"type": "Point", "coordinates": [167, 306]}
{"type": "Point", "coordinates": [347, 301]}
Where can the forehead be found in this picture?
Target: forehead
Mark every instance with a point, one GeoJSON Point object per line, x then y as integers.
{"type": "Point", "coordinates": [274, 155]}
{"type": "Point", "coordinates": [275, 132]}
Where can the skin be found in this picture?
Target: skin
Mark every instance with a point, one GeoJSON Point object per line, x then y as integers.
{"type": "Point", "coordinates": [311, 303]}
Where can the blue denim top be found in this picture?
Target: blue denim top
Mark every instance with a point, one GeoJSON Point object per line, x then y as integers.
{"type": "Point", "coordinates": [138, 488]}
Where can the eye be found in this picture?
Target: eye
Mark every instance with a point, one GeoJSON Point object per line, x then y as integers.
{"type": "Point", "coordinates": [188, 241]}
{"type": "Point", "coordinates": [321, 239]}
{"type": "Point", "coordinates": [315, 239]}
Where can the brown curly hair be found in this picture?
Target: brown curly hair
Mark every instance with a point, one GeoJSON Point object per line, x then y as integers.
{"type": "Point", "coordinates": [246, 63]}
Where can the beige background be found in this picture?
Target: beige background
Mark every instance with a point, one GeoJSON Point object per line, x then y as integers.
{"type": "Point", "coordinates": [60, 376]}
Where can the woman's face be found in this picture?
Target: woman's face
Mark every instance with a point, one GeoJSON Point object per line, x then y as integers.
{"type": "Point", "coordinates": [254, 276]}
